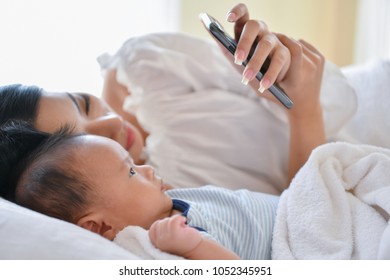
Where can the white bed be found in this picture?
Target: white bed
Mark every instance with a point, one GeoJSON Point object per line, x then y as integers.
{"type": "Point", "coordinates": [28, 235]}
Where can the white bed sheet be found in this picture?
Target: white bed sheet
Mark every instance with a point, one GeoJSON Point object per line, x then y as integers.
{"type": "Point", "coordinates": [27, 235]}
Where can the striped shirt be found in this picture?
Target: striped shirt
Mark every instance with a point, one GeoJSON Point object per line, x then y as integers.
{"type": "Point", "coordinates": [240, 220]}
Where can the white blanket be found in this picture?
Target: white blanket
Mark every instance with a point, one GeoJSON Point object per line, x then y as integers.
{"type": "Point", "coordinates": [136, 240]}
{"type": "Point", "coordinates": [337, 206]}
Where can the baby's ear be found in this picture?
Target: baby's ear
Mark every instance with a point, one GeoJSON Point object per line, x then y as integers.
{"type": "Point", "coordinates": [97, 226]}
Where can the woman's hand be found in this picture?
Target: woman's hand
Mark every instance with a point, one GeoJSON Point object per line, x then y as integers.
{"type": "Point", "coordinates": [254, 36]}
{"type": "Point", "coordinates": [302, 81]}
{"type": "Point", "coordinates": [297, 66]}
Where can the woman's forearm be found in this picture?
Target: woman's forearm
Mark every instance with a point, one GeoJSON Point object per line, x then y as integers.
{"type": "Point", "coordinates": [306, 134]}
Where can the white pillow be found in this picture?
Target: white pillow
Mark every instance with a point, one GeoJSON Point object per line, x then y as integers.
{"type": "Point", "coordinates": [371, 81]}
{"type": "Point", "coordinates": [25, 234]}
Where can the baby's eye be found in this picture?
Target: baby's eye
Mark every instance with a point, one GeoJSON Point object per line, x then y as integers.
{"type": "Point", "coordinates": [132, 172]}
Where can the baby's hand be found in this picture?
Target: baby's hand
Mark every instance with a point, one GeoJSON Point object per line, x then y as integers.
{"type": "Point", "coordinates": [172, 235]}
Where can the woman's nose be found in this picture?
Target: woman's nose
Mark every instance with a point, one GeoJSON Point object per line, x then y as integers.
{"type": "Point", "coordinates": [108, 126]}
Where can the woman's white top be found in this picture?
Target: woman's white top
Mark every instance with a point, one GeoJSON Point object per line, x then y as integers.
{"type": "Point", "coordinates": [205, 126]}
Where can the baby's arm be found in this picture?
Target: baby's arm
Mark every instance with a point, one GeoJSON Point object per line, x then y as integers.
{"type": "Point", "coordinates": [173, 236]}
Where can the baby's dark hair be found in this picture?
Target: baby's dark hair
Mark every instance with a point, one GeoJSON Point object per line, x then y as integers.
{"type": "Point", "coordinates": [52, 182]}
{"type": "Point", "coordinates": [48, 180]}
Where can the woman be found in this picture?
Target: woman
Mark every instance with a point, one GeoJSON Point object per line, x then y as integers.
{"type": "Point", "coordinates": [282, 147]}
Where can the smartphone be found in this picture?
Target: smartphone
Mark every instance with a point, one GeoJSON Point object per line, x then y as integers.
{"type": "Point", "coordinates": [229, 43]}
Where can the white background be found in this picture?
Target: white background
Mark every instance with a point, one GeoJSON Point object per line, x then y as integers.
{"type": "Point", "coordinates": [281, 270]}
{"type": "Point", "coordinates": [54, 43]}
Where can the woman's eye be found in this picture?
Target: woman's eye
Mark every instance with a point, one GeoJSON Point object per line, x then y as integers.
{"type": "Point", "coordinates": [131, 172]}
{"type": "Point", "coordinates": [85, 102]}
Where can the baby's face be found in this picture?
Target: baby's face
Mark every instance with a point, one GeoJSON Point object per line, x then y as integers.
{"type": "Point", "coordinates": [126, 194]}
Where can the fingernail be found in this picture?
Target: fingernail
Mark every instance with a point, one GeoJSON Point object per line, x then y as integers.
{"type": "Point", "coordinates": [231, 17]}
{"type": "Point", "coordinates": [239, 57]}
{"type": "Point", "coordinates": [247, 76]}
{"type": "Point", "coordinates": [264, 83]}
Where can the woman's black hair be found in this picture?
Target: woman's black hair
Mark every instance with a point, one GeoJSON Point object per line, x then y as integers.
{"type": "Point", "coordinates": [19, 103]}
{"type": "Point", "coordinates": [18, 111]}
{"type": "Point", "coordinates": [18, 139]}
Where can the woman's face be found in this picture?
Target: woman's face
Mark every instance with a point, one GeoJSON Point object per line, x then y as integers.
{"type": "Point", "coordinates": [89, 114]}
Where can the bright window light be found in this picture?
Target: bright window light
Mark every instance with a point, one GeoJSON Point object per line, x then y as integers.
{"type": "Point", "coordinates": [54, 44]}
{"type": "Point", "coordinates": [373, 25]}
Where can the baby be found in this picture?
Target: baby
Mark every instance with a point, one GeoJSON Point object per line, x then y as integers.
{"type": "Point", "coordinates": [91, 181]}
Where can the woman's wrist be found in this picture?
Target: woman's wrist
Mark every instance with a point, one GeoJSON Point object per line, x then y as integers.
{"type": "Point", "coordinates": [306, 133]}
{"type": "Point", "coordinates": [300, 114]}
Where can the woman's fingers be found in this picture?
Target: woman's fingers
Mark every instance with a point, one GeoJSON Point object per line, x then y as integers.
{"type": "Point", "coordinates": [303, 55]}
{"type": "Point", "coordinates": [250, 35]}
{"type": "Point", "coordinates": [256, 42]}
{"type": "Point", "coordinates": [303, 79]}
{"type": "Point", "coordinates": [296, 51]}
{"type": "Point", "coordinates": [312, 53]}
{"type": "Point", "coordinates": [277, 69]}
{"type": "Point", "coordinates": [239, 14]}
{"type": "Point", "coordinates": [269, 47]}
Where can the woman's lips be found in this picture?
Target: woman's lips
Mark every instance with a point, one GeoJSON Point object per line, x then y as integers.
{"type": "Point", "coordinates": [130, 138]}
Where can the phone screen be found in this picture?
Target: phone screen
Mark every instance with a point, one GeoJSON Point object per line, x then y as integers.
{"type": "Point", "coordinates": [230, 44]}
